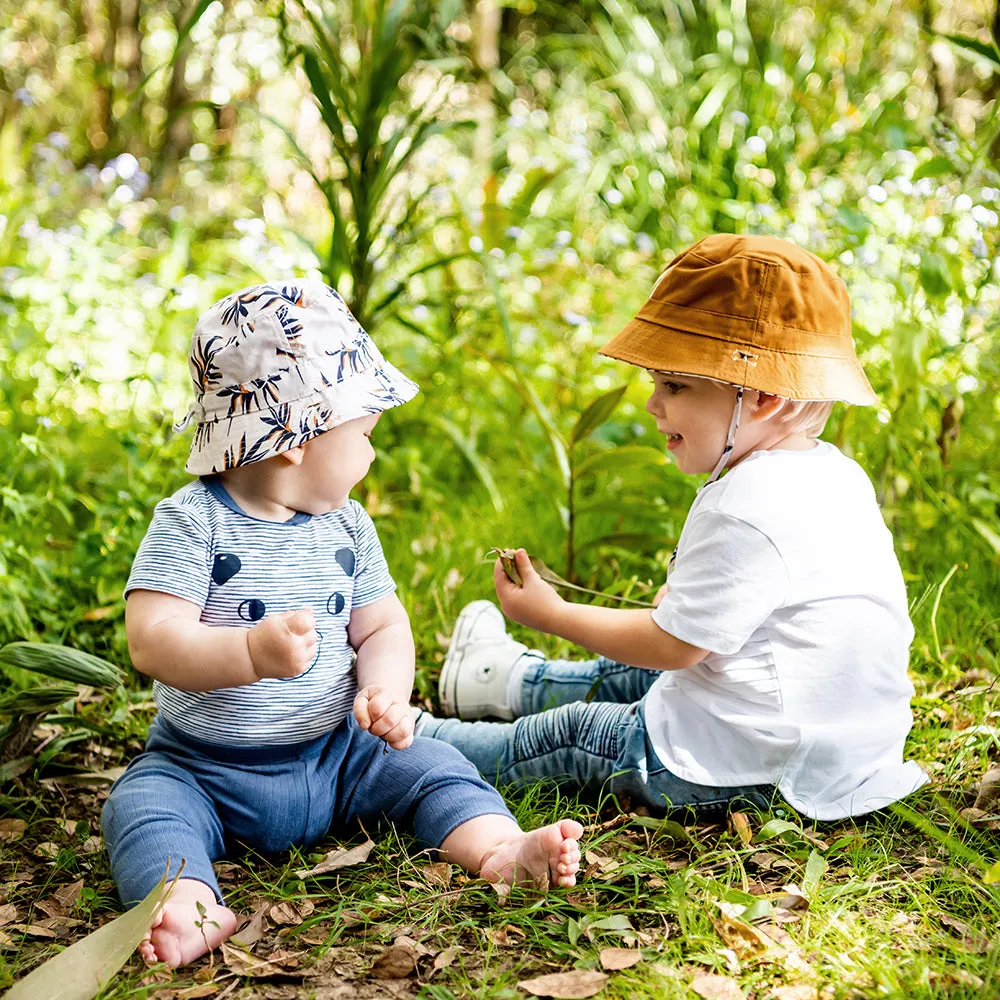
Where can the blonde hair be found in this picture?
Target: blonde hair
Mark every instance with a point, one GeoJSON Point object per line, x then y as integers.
{"type": "Point", "coordinates": [809, 415]}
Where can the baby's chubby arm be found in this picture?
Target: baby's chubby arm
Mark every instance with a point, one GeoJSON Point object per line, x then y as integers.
{"type": "Point", "coordinates": [168, 642]}
{"type": "Point", "coordinates": [625, 636]}
{"type": "Point", "coordinates": [380, 634]}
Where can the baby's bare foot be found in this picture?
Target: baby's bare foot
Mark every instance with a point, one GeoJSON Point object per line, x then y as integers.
{"type": "Point", "coordinates": [549, 855]}
{"type": "Point", "coordinates": [190, 923]}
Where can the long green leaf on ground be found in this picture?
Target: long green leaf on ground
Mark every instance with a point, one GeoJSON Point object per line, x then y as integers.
{"type": "Point", "coordinates": [82, 970]}
{"type": "Point", "coordinates": [63, 662]}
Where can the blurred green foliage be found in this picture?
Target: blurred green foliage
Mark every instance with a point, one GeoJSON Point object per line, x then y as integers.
{"type": "Point", "coordinates": [497, 196]}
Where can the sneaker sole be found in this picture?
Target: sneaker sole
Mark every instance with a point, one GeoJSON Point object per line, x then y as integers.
{"type": "Point", "coordinates": [448, 682]}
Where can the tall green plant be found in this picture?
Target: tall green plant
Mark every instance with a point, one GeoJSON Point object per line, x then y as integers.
{"type": "Point", "coordinates": [23, 707]}
{"type": "Point", "coordinates": [361, 61]}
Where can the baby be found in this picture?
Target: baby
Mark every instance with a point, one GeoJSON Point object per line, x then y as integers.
{"type": "Point", "coordinates": [776, 658]}
{"type": "Point", "coordinates": [261, 604]}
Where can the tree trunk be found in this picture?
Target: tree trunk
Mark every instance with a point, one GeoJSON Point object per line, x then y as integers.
{"type": "Point", "coordinates": [178, 137]}
{"type": "Point", "coordinates": [101, 24]}
{"type": "Point", "coordinates": [486, 55]}
{"type": "Point", "coordinates": [131, 32]}
{"type": "Point", "coordinates": [941, 59]}
{"type": "Point", "coordinates": [992, 88]}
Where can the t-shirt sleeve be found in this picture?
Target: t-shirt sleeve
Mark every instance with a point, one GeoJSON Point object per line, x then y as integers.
{"type": "Point", "coordinates": [372, 579]}
{"type": "Point", "coordinates": [175, 556]}
{"type": "Point", "coordinates": [728, 580]}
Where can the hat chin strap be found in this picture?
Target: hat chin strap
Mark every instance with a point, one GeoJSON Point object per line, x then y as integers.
{"type": "Point", "coordinates": [181, 425]}
{"type": "Point", "coordinates": [734, 426]}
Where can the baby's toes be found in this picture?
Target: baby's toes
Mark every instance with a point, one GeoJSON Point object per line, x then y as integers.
{"type": "Point", "coordinates": [569, 855]}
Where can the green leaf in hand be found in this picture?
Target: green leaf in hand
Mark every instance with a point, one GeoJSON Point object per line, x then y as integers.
{"type": "Point", "coordinates": [506, 557]}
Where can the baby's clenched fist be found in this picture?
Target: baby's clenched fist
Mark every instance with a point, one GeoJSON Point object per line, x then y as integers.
{"type": "Point", "coordinates": [380, 711]}
{"type": "Point", "coordinates": [283, 645]}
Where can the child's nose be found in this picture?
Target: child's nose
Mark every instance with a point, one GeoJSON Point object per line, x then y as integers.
{"type": "Point", "coordinates": [653, 405]}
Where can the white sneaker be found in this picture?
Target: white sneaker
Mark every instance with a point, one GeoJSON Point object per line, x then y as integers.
{"type": "Point", "coordinates": [476, 669]}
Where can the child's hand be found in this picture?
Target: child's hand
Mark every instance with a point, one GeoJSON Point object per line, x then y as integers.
{"type": "Point", "coordinates": [378, 711]}
{"type": "Point", "coordinates": [283, 645]}
{"type": "Point", "coordinates": [534, 604]}
{"type": "Point", "coordinates": [660, 594]}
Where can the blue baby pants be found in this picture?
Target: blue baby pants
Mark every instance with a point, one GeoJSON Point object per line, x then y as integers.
{"type": "Point", "coordinates": [582, 725]}
{"type": "Point", "coordinates": [183, 798]}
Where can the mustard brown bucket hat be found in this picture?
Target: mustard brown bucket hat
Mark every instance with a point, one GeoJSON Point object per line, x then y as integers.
{"type": "Point", "coordinates": [754, 311]}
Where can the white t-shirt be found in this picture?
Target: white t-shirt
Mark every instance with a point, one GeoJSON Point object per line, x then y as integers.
{"type": "Point", "coordinates": [786, 572]}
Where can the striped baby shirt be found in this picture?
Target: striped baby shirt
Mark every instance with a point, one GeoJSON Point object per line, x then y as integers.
{"type": "Point", "coordinates": [237, 568]}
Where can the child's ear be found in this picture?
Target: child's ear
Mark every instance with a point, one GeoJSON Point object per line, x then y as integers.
{"type": "Point", "coordinates": [767, 405]}
{"type": "Point", "coordinates": [294, 455]}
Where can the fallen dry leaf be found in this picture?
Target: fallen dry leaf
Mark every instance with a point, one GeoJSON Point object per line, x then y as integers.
{"type": "Point", "coordinates": [196, 992]}
{"type": "Point", "coordinates": [988, 796]}
{"type": "Point", "coordinates": [745, 939]}
{"type": "Point", "coordinates": [790, 905]}
{"type": "Point", "coordinates": [291, 914]}
{"type": "Point", "coordinates": [771, 942]}
{"type": "Point", "coordinates": [566, 985]}
{"type": "Point", "coordinates": [8, 913]}
{"type": "Point", "coordinates": [253, 930]}
{"type": "Point", "coordinates": [11, 830]}
{"type": "Point", "coordinates": [794, 898]}
{"type": "Point", "coordinates": [405, 941]}
{"type": "Point", "coordinates": [768, 861]}
{"type": "Point", "coordinates": [286, 959]}
{"type": "Point", "coordinates": [396, 963]}
{"type": "Point", "coordinates": [713, 987]}
{"type": "Point", "coordinates": [339, 858]}
{"type": "Point", "coordinates": [800, 992]}
{"type": "Point", "coordinates": [446, 958]}
{"type": "Point", "coordinates": [68, 895]}
{"type": "Point", "coordinates": [242, 963]}
{"type": "Point", "coordinates": [36, 930]}
{"type": "Point", "coordinates": [729, 957]}
{"type": "Point", "coordinates": [69, 826]}
{"type": "Point", "coordinates": [503, 937]}
{"type": "Point", "coordinates": [739, 826]}
{"type": "Point", "coordinates": [438, 873]}
{"type": "Point", "coordinates": [613, 959]}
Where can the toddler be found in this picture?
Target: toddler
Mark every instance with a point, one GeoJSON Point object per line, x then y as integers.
{"type": "Point", "coordinates": [261, 604]}
{"type": "Point", "coordinates": [776, 657]}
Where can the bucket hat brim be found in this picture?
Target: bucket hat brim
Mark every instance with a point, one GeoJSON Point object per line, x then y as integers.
{"type": "Point", "coordinates": [226, 441]}
{"type": "Point", "coordinates": [804, 376]}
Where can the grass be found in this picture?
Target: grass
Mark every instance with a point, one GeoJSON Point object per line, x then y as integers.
{"type": "Point", "coordinates": [895, 913]}
{"type": "Point", "coordinates": [898, 903]}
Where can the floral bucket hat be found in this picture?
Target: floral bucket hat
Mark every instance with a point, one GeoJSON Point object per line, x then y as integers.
{"type": "Point", "coordinates": [274, 366]}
